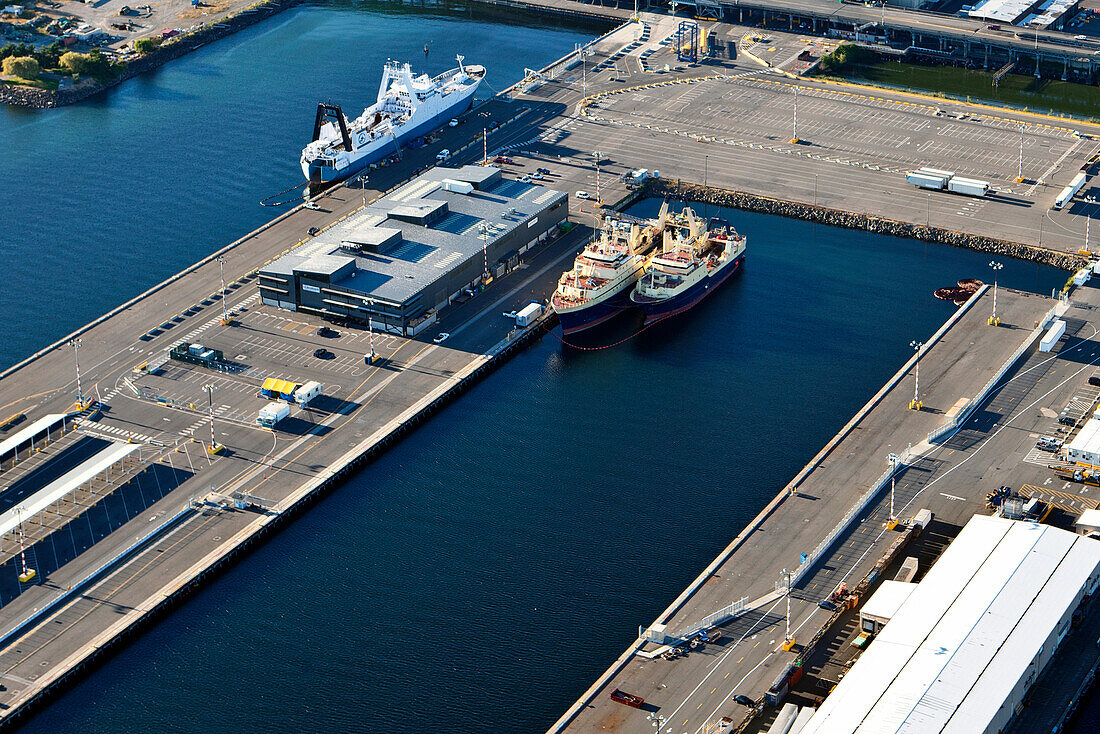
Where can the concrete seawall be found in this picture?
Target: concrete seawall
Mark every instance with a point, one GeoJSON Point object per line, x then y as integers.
{"type": "Point", "coordinates": [848, 220]}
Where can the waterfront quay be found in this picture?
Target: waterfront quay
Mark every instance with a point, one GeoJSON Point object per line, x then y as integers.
{"type": "Point", "coordinates": [143, 549]}
{"type": "Point", "coordinates": [950, 476]}
{"type": "Point", "coordinates": [730, 123]}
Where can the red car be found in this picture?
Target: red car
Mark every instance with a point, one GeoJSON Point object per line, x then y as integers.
{"type": "Point", "coordinates": [503, 159]}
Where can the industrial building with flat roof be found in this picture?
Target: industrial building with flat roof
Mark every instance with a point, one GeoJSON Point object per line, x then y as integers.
{"type": "Point", "coordinates": [404, 256]}
{"type": "Point", "coordinates": [962, 650]}
{"type": "Point", "coordinates": [1085, 446]}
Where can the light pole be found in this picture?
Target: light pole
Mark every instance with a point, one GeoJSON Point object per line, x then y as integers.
{"type": "Point", "coordinates": [893, 459]}
{"type": "Point", "coordinates": [1020, 169]}
{"type": "Point", "coordinates": [585, 53]}
{"type": "Point", "coordinates": [370, 331]}
{"type": "Point", "coordinates": [75, 344]}
{"type": "Point", "coordinates": [788, 641]}
{"type": "Point", "coordinates": [597, 155]}
{"type": "Point", "coordinates": [657, 720]}
{"type": "Point", "coordinates": [915, 403]}
{"type": "Point", "coordinates": [995, 267]}
{"type": "Point", "coordinates": [815, 189]}
{"type": "Point", "coordinates": [209, 389]}
{"type": "Point", "coordinates": [221, 273]}
{"type": "Point", "coordinates": [794, 135]}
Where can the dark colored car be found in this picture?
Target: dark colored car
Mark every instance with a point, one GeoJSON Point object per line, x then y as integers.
{"type": "Point", "coordinates": [826, 604]}
{"type": "Point", "coordinates": [543, 171]}
{"type": "Point", "coordinates": [744, 700]}
{"type": "Point", "coordinates": [323, 354]}
{"type": "Point", "coordinates": [327, 332]}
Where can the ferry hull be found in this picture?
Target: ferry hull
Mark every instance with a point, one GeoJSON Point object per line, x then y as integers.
{"type": "Point", "coordinates": [683, 301]}
{"type": "Point", "coordinates": [321, 175]}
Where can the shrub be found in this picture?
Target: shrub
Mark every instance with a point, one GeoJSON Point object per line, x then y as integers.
{"type": "Point", "coordinates": [846, 54]}
{"type": "Point", "coordinates": [24, 67]}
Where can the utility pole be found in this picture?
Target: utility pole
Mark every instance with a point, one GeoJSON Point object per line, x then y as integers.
{"type": "Point", "coordinates": [995, 266]}
{"type": "Point", "coordinates": [484, 146]}
{"type": "Point", "coordinates": [788, 641]}
{"type": "Point", "coordinates": [75, 344]}
{"type": "Point", "coordinates": [916, 404]}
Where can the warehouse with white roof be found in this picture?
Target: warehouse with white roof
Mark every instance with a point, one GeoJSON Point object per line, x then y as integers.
{"type": "Point", "coordinates": [961, 652]}
{"type": "Point", "coordinates": [1085, 446]}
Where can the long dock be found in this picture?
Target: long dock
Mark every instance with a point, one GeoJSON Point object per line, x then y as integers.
{"type": "Point", "coordinates": [163, 531]}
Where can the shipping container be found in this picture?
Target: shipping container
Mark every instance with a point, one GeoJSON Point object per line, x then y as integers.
{"type": "Point", "coordinates": [307, 392]}
{"type": "Point", "coordinates": [1054, 333]}
{"type": "Point", "coordinates": [527, 316]}
{"type": "Point", "coordinates": [935, 172]}
{"type": "Point", "coordinates": [926, 180]}
{"type": "Point", "coordinates": [271, 414]}
{"type": "Point", "coordinates": [968, 186]}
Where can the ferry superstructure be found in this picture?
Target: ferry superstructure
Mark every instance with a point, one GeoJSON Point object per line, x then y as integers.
{"type": "Point", "coordinates": [693, 261]}
{"type": "Point", "coordinates": [593, 291]}
{"type": "Point", "coordinates": [407, 106]}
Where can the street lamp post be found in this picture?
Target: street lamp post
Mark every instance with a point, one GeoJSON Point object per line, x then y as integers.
{"type": "Point", "coordinates": [815, 189]}
{"type": "Point", "coordinates": [915, 403]}
{"type": "Point", "coordinates": [75, 344]}
{"type": "Point", "coordinates": [893, 459]}
{"type": "Point", "coordinates": [995, 267]}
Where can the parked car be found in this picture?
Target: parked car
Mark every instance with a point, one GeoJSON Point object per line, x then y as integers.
{"type": "Point", "coordinates": [327, 332]}
{"type": "Point", "coordinates": [543, 171]}
{"type": "Point", "coordinates": [323, 354]}
{"type": "Point", "coordinates": [441, 337]}
{"type": "Point", "coordinates": [744, 700]}
{"type": "Point", "coordinates": [443, 155]}
{"type": "Point", "coordinates": [828, 605]}
{"type": "Point", "coordinates": [1047, 443]}
{"type": "Point", "coordinates": [453, 122]}
{"type": "Point", "coordinates": [503, 159]}
{"type": "Point", "coordinates": [582, 195]}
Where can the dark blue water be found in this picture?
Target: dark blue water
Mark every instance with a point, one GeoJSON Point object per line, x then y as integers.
{"type": "Point", "coordinates": [479, 576]}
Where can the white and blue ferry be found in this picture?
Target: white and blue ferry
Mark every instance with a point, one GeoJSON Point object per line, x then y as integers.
{"type": "Point", "coordinates": [407, 107]}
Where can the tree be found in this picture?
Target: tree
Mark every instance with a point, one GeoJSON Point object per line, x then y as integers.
{"type": "Point", "coordinates": [145, 45]}
{"type": "Point", "coordinates": [74, 62]}
{"type": "Point", "coordinates": [24, 67]}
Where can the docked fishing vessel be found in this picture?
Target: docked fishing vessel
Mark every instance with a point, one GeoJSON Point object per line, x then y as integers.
{"type": "Point", "coordinates": [595, 289]}
{"type": "Point", "coordinates": [692, 262]}
{"type": "Point", "coordinates": [407, 107]}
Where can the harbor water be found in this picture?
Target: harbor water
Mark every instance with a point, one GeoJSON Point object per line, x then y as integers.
{"type": "Point", "coordinates": [481, 574]}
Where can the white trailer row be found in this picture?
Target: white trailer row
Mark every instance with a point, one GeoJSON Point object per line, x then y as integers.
{"type": "Point", "coordinates": [1054, 333]}
{"type": "Point", "coordinates": [1070, 191]}
{"type": "Point", "coordinates": [937, 180]}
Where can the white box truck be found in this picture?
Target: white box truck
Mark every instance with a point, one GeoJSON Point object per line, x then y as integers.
{"type": "Point", "coordinates": [1082, 276]}
{"type": "Point", "coordinates": [272, 414]}
{"type": "Point", "coordinates": [527, 316]}
{"type": "Point", "coordinates": [307, 392]}
{"type": "Point", "coordinates": [925, 180]}
{"type": "Point", "coordinates": [968, 186]}
{"type": "Point", "coordinates": [1054, 333]}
